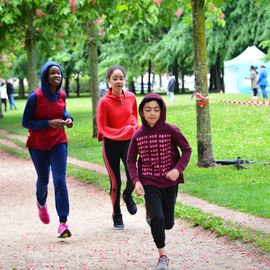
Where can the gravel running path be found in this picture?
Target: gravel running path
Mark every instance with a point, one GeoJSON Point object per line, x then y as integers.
{"type": "Point", "coordinates": [26, 243]}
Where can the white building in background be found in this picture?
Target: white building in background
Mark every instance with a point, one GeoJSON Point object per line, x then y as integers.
{"type": "Point", "coordinates": [160, 82]}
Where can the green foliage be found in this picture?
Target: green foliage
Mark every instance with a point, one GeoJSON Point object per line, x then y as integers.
{"type": "Point", "coordinates": [125, 52]}
{"type": "Point", "coordinates": [243, 31]}
{"type": "Point", "coordinates": [20, 66]}
{"type": "Point", "coordinates": [84, 85]}
{"type": "Point", "coordinates": [176, 45]}
{"type": "Point", "coordinates": [239, 32]}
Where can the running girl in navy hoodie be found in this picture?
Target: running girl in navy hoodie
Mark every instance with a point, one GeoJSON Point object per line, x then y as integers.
{"type": "Point", "coordinates": [156, 168]}
{"type": "Point", "coordinates": [45, 116]}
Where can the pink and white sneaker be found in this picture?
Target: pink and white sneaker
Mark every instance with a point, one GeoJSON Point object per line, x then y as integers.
{"type": "Point", "coordinates": [43, 213]}
{"type": "Point", "coordinates": [63, 230]}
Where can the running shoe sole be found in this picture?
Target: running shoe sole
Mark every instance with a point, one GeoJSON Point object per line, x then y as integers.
{"type": "Point", "coordinates": [65, 234]}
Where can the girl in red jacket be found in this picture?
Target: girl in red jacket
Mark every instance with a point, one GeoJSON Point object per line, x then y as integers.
{"type": "Point", "coordinates": [117, 119]}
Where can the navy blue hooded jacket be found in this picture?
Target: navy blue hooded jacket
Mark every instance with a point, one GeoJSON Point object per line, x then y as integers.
{"type": "Point", "coordinates": [28, 120]}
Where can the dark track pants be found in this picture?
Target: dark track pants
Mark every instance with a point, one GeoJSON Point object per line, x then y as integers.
{"type": "Point", "coordinates": [56, 159]}
{"type": "Point", "coordinates": [264, 92]}
{"type": "Point", "coordinates": [160, 205]}
{"type": "Point", "coordinates": [113, 152]}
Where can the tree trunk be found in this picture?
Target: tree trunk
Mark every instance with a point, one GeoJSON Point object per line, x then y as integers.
{"type": "Point", "coordinates": [21, 88]}
{"type": "Point", "coordinates": [30, 42]}
{"type": "Point", "coordinates": [183, 82]}
{"type": "Point", "coordinates": [211, 80]}
{"type": "Point", "coordinates": [131, 87]}
{"type": "Point", "coordinates": [78, 84]}
{"type": "Point", "coordinates": [175, 73]}
{"type": "Point", "coordinates": [149, 76]}
{"type": "Point", "coordinates": [67, 83]}
{"type": "Point", "coordinates": [93, 72]}
{"type": "Point", "coordinates": [142, 85]}
{"type": "Point", "coordinates": [204, 139]}
{"type": "Point", "coordinates": [216, 77]}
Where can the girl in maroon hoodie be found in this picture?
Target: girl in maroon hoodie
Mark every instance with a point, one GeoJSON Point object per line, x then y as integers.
{"type": "Point", "coordinates": [156, 168]}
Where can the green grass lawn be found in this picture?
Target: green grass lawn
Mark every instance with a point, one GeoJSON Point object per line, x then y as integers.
{"type": "Point", "coordinates": [237, 130]}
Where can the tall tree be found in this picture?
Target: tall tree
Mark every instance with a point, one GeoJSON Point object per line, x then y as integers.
{"type": "Point", "coordinates": [204, 138]}
{"type": "Point", "coordinates": [93, 71]}
{"type": "Point", "coordinates": [30, 45]}
{"type": "Point", "coordinates": [85, 14]}
{"type": "Point", "coordinates": [34, 22]}
{"type": "Point", "coordinates": [116, 18]}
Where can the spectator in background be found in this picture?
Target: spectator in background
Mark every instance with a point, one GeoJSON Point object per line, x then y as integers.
{"type": "Point", "coordinates": [103, 88]}
{"type": "Point", "coordinates": [254, 81]}
{"type": "Point", "coordinates": [262, 81]}
{"type": "Point", "coordinates": [4, 95]}
{"type": "Point", "coordinates": [171, 87]}
{"type": "Point", "coordinates": [10, 93]}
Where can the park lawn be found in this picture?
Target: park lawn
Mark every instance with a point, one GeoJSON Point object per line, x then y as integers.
{"type": "Point", "coordinates": [237, 130]}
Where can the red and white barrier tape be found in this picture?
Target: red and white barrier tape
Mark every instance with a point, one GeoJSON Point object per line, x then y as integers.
{"type": "Point", "coordinates": [247, 102]}
{"type": "Point", "coordinates": [202, 100]}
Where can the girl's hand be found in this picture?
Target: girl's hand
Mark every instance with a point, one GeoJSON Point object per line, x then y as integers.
{"type": "Point", "coordinates": [57, 123]}
{"type": "Point", "coordinates": [69, 123]}
{"type": "Point", "coordinates": [173, 174]}
{"type": "Point", "coordinates": [139, 188]}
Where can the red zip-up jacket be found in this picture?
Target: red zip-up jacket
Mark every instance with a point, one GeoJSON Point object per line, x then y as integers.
{"type": "Point", "coordinates": [117, 116]}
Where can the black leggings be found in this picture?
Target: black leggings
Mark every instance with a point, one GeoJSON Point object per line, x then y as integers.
{"type": "Point", "coordinates": [113, 152]}
{"type": "Point", "coordinates": [160, 205]}
{"type": "Point", "coordinates": [4, 101]}
{"type": "Point", "coordinates": [255, 92]}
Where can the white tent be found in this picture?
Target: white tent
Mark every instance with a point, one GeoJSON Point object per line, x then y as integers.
{"type": "Point", "coordinates": [237, 70]}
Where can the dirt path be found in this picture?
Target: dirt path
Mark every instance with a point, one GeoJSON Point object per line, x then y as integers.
{"type": "Point", "coordinates": [26, 243]}
{"type": "Point", "coordinates": [244, 219]}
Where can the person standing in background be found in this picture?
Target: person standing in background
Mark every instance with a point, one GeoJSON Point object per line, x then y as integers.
{"type": "Point", "coordinates": [10, 93]}
{"type": "Point", "coordinates": [171, 87]}
{"type": "Point", "coordinates": [103, 88]}
{"type": "Point", "coordinates": [4, 96]}
{"type": "Point", "coordinates": [262, 81]}
{"type": "Point", "coordinates": [254, 82]}
{"type": "Point", "coordinates": [117, 119]}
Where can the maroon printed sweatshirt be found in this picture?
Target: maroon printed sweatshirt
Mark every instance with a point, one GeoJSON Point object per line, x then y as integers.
{"type": "Point", "coordinates": [154, 151]}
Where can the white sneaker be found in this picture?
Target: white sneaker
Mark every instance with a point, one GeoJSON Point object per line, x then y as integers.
{"type": "Point", "coordinates": [163, 263]}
